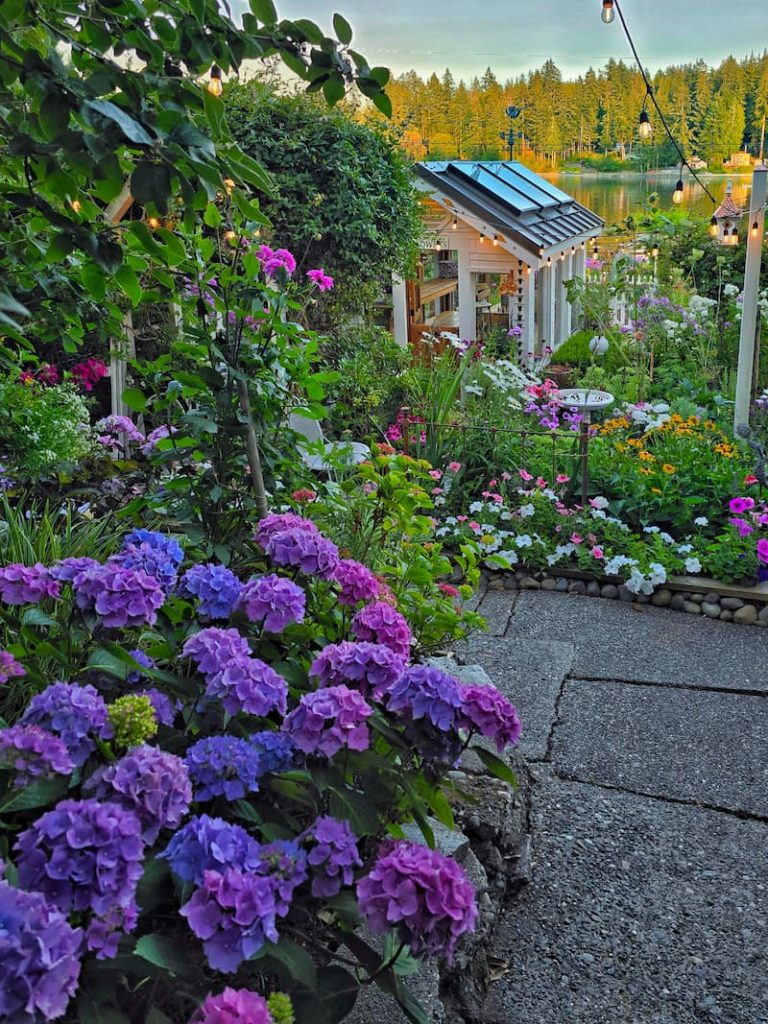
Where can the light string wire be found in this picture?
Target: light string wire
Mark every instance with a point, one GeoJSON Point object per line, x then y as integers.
{"type": "Point", "coordinates": [650, 94]}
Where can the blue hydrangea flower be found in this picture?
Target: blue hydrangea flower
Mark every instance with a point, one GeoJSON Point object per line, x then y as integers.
{"type": "Point", "coordinates": [276, 750]}
{"type": "Point", "coordinates": [154, 553]}
{"type": "Point", "coordinates": [223, 766]}
{"type": "Point", "coordinates": [216, 588]}
{"type": "Point", "coordinates": [210, 844]}
{"type": "Point", "coordinates": [75, 713]}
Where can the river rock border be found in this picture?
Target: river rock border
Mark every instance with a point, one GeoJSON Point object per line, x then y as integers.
{"type": "Point", "coordinates": [679, 596]}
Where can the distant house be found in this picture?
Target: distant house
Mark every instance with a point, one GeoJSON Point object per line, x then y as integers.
{"type": "Point", "coordinates": [697, 164]}
{"type": "Point", "coordinates": [740, 159]}
{"type": "Point", "coordinates": [502, 243]}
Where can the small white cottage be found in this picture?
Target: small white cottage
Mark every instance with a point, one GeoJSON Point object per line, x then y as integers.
{"type": "Point", "coordinates": [503, 241]}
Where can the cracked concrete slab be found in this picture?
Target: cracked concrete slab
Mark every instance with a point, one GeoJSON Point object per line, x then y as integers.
{"type": "Point", "coordinates": [615, 641]}
{"type": "Point", "coordinates": [640, 912]}
{"type": "Point", "coordinates": [496, 608]}
{"type": "Point", "coordinates": [710, 747]}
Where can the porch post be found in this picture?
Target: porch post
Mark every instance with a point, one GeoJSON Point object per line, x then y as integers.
{"type": "Point", "coordinates": [467, 317]}
{"type": "Point", "coordinates": [528, 338]}
{"type": "Point", "coordinates": [399, 311]}
{"type": "Point", "coordinates": [559, 290]}
{"type": "Point", "coordinates": [567, 276]}
{"type": "Point", "coordinates": [546, 325]}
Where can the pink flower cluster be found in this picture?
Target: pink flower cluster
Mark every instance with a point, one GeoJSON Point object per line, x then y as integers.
{"type": "Point", "coordinates": [322, 280]}
{"type": "Point", "coordinates": [89, 372]}
{"type": "Point", "coordinates": [274, 260]}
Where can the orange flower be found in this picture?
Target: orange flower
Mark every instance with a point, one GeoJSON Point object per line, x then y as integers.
{"type": "Point", "coordinates": [646, 457]}
{"type": "Point", "coordinates": [646, 472]}
{"type": "Point", "coordinates": [667, 468]}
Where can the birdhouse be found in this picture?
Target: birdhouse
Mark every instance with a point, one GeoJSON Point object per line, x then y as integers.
{"type": "Point", "coordinates": [726, 219]}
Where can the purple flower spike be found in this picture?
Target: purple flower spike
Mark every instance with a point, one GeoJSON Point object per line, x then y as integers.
{"type": "Point", "coordinates": [274, 601]}
{"type": "Point", "coordinates": [150, 782]}
{"type": "Point", "coordinates": [216, 588]}
{"type": "Point", "coordinates": [371, 668]}
{"type": "Point", "coordinates": [333, 856]}
{"type": "Point", "coordinates": [356, 582]}
{"type": "Point", "coordinates": [234, 1006]}
{"type": "Point", "coordinates": [383, 624]}
{"type": "Point", "coordinates": [328, 720]}
{"type": "Point", "coordinates": [421, 892]}
{"type": "Point", "coordinates": [234, 915]}
{"type": "Point", "coordinates": [27, 584]}
{"type": "Point", "coordinates": [488, 712]}
{"type": "Point", "coordinates": [39, 958]}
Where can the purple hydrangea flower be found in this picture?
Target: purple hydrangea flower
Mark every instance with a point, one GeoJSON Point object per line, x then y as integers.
{"type": "Point", "coordinates": [121, 597]}
{"type": "Point", "coordinates": [135, 676]}
{"type": "Point", "coordinates": [356, 582]}
{"type": "Point", "coordinates": [276, 750]}
{"type": "Point", "coordinates": [249, 685]}
{"type": "Point", "coordinates": [39, 958]}
{"type": "Point", "coordinates": [156, 554]}
{"type": "Point", "coordinates": [371, 668]}
{"type": "Point", "coordinates": [75, 713]}
{"type": "Point", "coordinates": [27, 584]}
{"type": "Point", "coordinates": [113, 428]}
{"type": "Point", "coordinates": [274, 601]}
{"type": "Point", "coordinates": [430, 703]}
{"type": "Point", "coordinates": [424, 894]}
{"type": "Point", "coordinates": [216, 588]}
{"type": "Point", "coordinates": [66, 569]}
{"type": "Point", "coordinates": [33, 753]}
{"type": "Point", "coordinates": [234, 1006]}
{"type": "Point", "coordinates": [9, 667]}
{"type": "Point", "coordinates": [285, 865]}
{"type": "Point", "coordinates": [164, 708]}
{"type": "Point", "coordinates": [328, 720]}
{"type": "Point", "coordinates": [310, 553]}
{"type": "Point", "coordinates": [86, 856]}
{"type": "Point", "coordinates": [383, 624]}
{"type": "Point", "coordinates": [234, 914]}
{"type": "Point", "coordinates": [150, 782]}
{"type": "Point", "coordinates": [225, 766]}
{"type": "Point", "coordinates": [154, 437]}
{"type": "Point", "coordinates": [210, 844]}
{"type": "Point", "coordinates": [488, 712]}
{"type": "Point", "coordinates": [278, 522]}
{"type": "Point", "coordinates": [212, 649]}
{"type": "Point", "coordinates": [333, 856]}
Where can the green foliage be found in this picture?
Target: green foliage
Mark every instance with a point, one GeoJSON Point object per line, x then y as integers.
{"type": "Point", "coordinates": [343, 196]}
{"type": "Point", "coordinates": [576, 351]}
{"type": "Point", "coordinates": [42, 428]}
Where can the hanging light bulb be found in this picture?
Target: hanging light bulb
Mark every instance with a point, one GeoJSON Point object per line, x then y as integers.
{"type": "Point", "coordinates": [713, 227]}
{"type": "Point", "coordinates": [608, 13]}
{"type": "Point", "coordinates": [215, 84]}
{"type": "Point", "coordinates": [495, 239]}
{"type": "Point", "coordinates": [438, 245]}
{"type": "Point", "coordinates": [645, 128]}
{"type": "Point", "coordinates": [735, 236]}
{"type": "Point", "coordinates": [726, 236]}
{"type": "Point", "coordinates": [595, 252]}
{"type": "Point", "coordinates": [677, 195]}
{"type": "Point", "coordinates": [755, 230]}
{"type": "Point", "coordinates": [482, 238]}
{"type": "Point", "coordinates": [153, 223]}
{"type": "Point", "coordinates": [455, 224]}
{"type": "Point", "coordinates": [655, 250]}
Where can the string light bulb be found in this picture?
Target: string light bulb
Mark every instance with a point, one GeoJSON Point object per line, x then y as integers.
{"type": "Point", "coordinates": [713, 227]}
{"type": "Point", "coordinates": [608, 13]}
{"type": "Point", "coordinates": [482, 238]}
{"type": "Point", "coordinates": [645, 128]}
{"type": "Point", "coordinates": [655, 250]}
{"type": "Point", "coordinates": [455, 224]}
{"type": "Point", "coordinates": [726, 233]}
{"type": "Point", "coordinates": [677, 195]}
{"type": "Point", "coordinates": [495, 239]}
{"type": "Point", "coordinates": [153, 223]}
{"type": "Point", "coordinates": [755, 229]}
{"type": "Point", "coordinates": [596, 252]}
{"type": "Point", "coordinates": [735, 236]}
{"type": "Point", "coordinates": [215, 84]}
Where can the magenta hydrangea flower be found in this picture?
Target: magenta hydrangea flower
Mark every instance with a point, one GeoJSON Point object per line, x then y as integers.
{"type": "Point", "coordinates": [310, 553]}
{"type": "Point", "coordinates": [373, 669]}
{"type": "Point", "coordinates": [212, 649]}
{"type": "Point", "coordinates": [33, 753]}
{"type": "Point", "coordinates": [430, 703]}
{"type": "Point", "coordinates": [249, 685]}
{"type": "Point", "coordinates": [319, 278]}
{"type": "Point", "coordinates": [383, 624]}
{"type": "Point", "coordinates": [216, 588]}
{"type": "Point", "coordinates": [274, 601]}
{"type": "Point", "coordinates": [422, 893]}
{"type": "Point", "coordinates": [150, 782]}
{"type": "Point", "coordinates": [86, 856]}
{"type": "Point", "coordinates": [77, 714]}
{"type": "Point", "coordinates": [487, 711]}
{"type": "Point", "coordinates": [234, 1006]}
{"type": "Point", "coordinates": [356, 582]}
{"type": "Point", "coordinates": [279, 522]}
{"type": "Point", "coordinates": [121, 597]}
{"type": "Point", "coordinates": [739, 505]}
{"type": "Point", "coordinates": [273, 260]}
{"type": "Point", "coordinates": [234, 914]}
{"type": "Point", "coordinates": [39, 958]}
{"type": "Point", "coordinates": [328, 720]}
{"type": "Point", "coordinates": [9, 667]}
{"type": "Point", "coordinates": [225, 766]}
{"type": "Point", "coordinates": [333, 856]}
{"type": "Point", "coordinates": [27, 584]}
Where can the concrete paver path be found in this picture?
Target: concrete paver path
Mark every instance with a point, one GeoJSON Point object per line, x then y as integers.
{"type": "Point", "coordinates": [647, 735]}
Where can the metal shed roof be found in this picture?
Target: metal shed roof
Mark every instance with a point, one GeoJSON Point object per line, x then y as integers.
{"type": "Point", "coordinates": [513, 200]}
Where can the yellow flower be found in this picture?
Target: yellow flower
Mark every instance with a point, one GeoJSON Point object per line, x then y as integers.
{"type": "Point", "coordinates": [655, 490]}
{"type": "Point", "coordinates": [633, 441]}
{"type": "Point", "coordinates": [646, 472]}
{"type": "Point", "coordinates": [667, 468]}
{"type": "Point", "coordinates": [646, 457]}
{"type": "Point", "coordinates": [620, 447]}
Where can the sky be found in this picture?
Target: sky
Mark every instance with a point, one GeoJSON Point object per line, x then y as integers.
{"type": "Point", "coordinates": [514, 36]}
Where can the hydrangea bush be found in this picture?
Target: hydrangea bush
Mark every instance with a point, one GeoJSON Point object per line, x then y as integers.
{"type": "Point", "coordinates": [210, 794]}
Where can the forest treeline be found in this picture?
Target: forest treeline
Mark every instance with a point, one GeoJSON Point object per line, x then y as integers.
{"type": "Point", "coordinates": [712, 112]}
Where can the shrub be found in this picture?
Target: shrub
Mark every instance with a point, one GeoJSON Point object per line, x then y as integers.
{"type": "Point", "coordinates": [42, 428]}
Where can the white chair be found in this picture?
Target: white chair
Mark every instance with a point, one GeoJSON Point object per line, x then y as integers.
{"type": "Point", "coordinates": [347, 452]}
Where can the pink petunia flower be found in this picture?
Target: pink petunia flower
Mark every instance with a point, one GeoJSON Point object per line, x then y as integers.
{"type": "Point", "coordinates": [762, 550]}
{"type": "Point", "coordinates": [739, 505]}
{"type": "Point", "coordinates": [576, 539]}
{"type": "Point", "coordinates": [506, 476]}
{"type": "Point", "coordinates": [541, 482]}
{"type": "Point", "coordinates": [597, 552]}
{"type": "Point", "coordinates": [454, 466]}
{"type": "Point", "coordinates": [436, 474]}
{"type": "Point", "coordinates": [437, 490]}
{"type": "Point", "coordinates": [562, 478]}
{"type": "Point", "coordinates": [524, 475]}
{"type": "Point", "coordinates": [476, 527]}
{"type": "Point", "coordinates": [750, 480]}
{"type": "Point", "coordinates": [462, 519]}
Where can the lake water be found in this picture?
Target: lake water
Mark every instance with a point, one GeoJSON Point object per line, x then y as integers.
{"type": "Point", "coordinates": [615, 196]}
